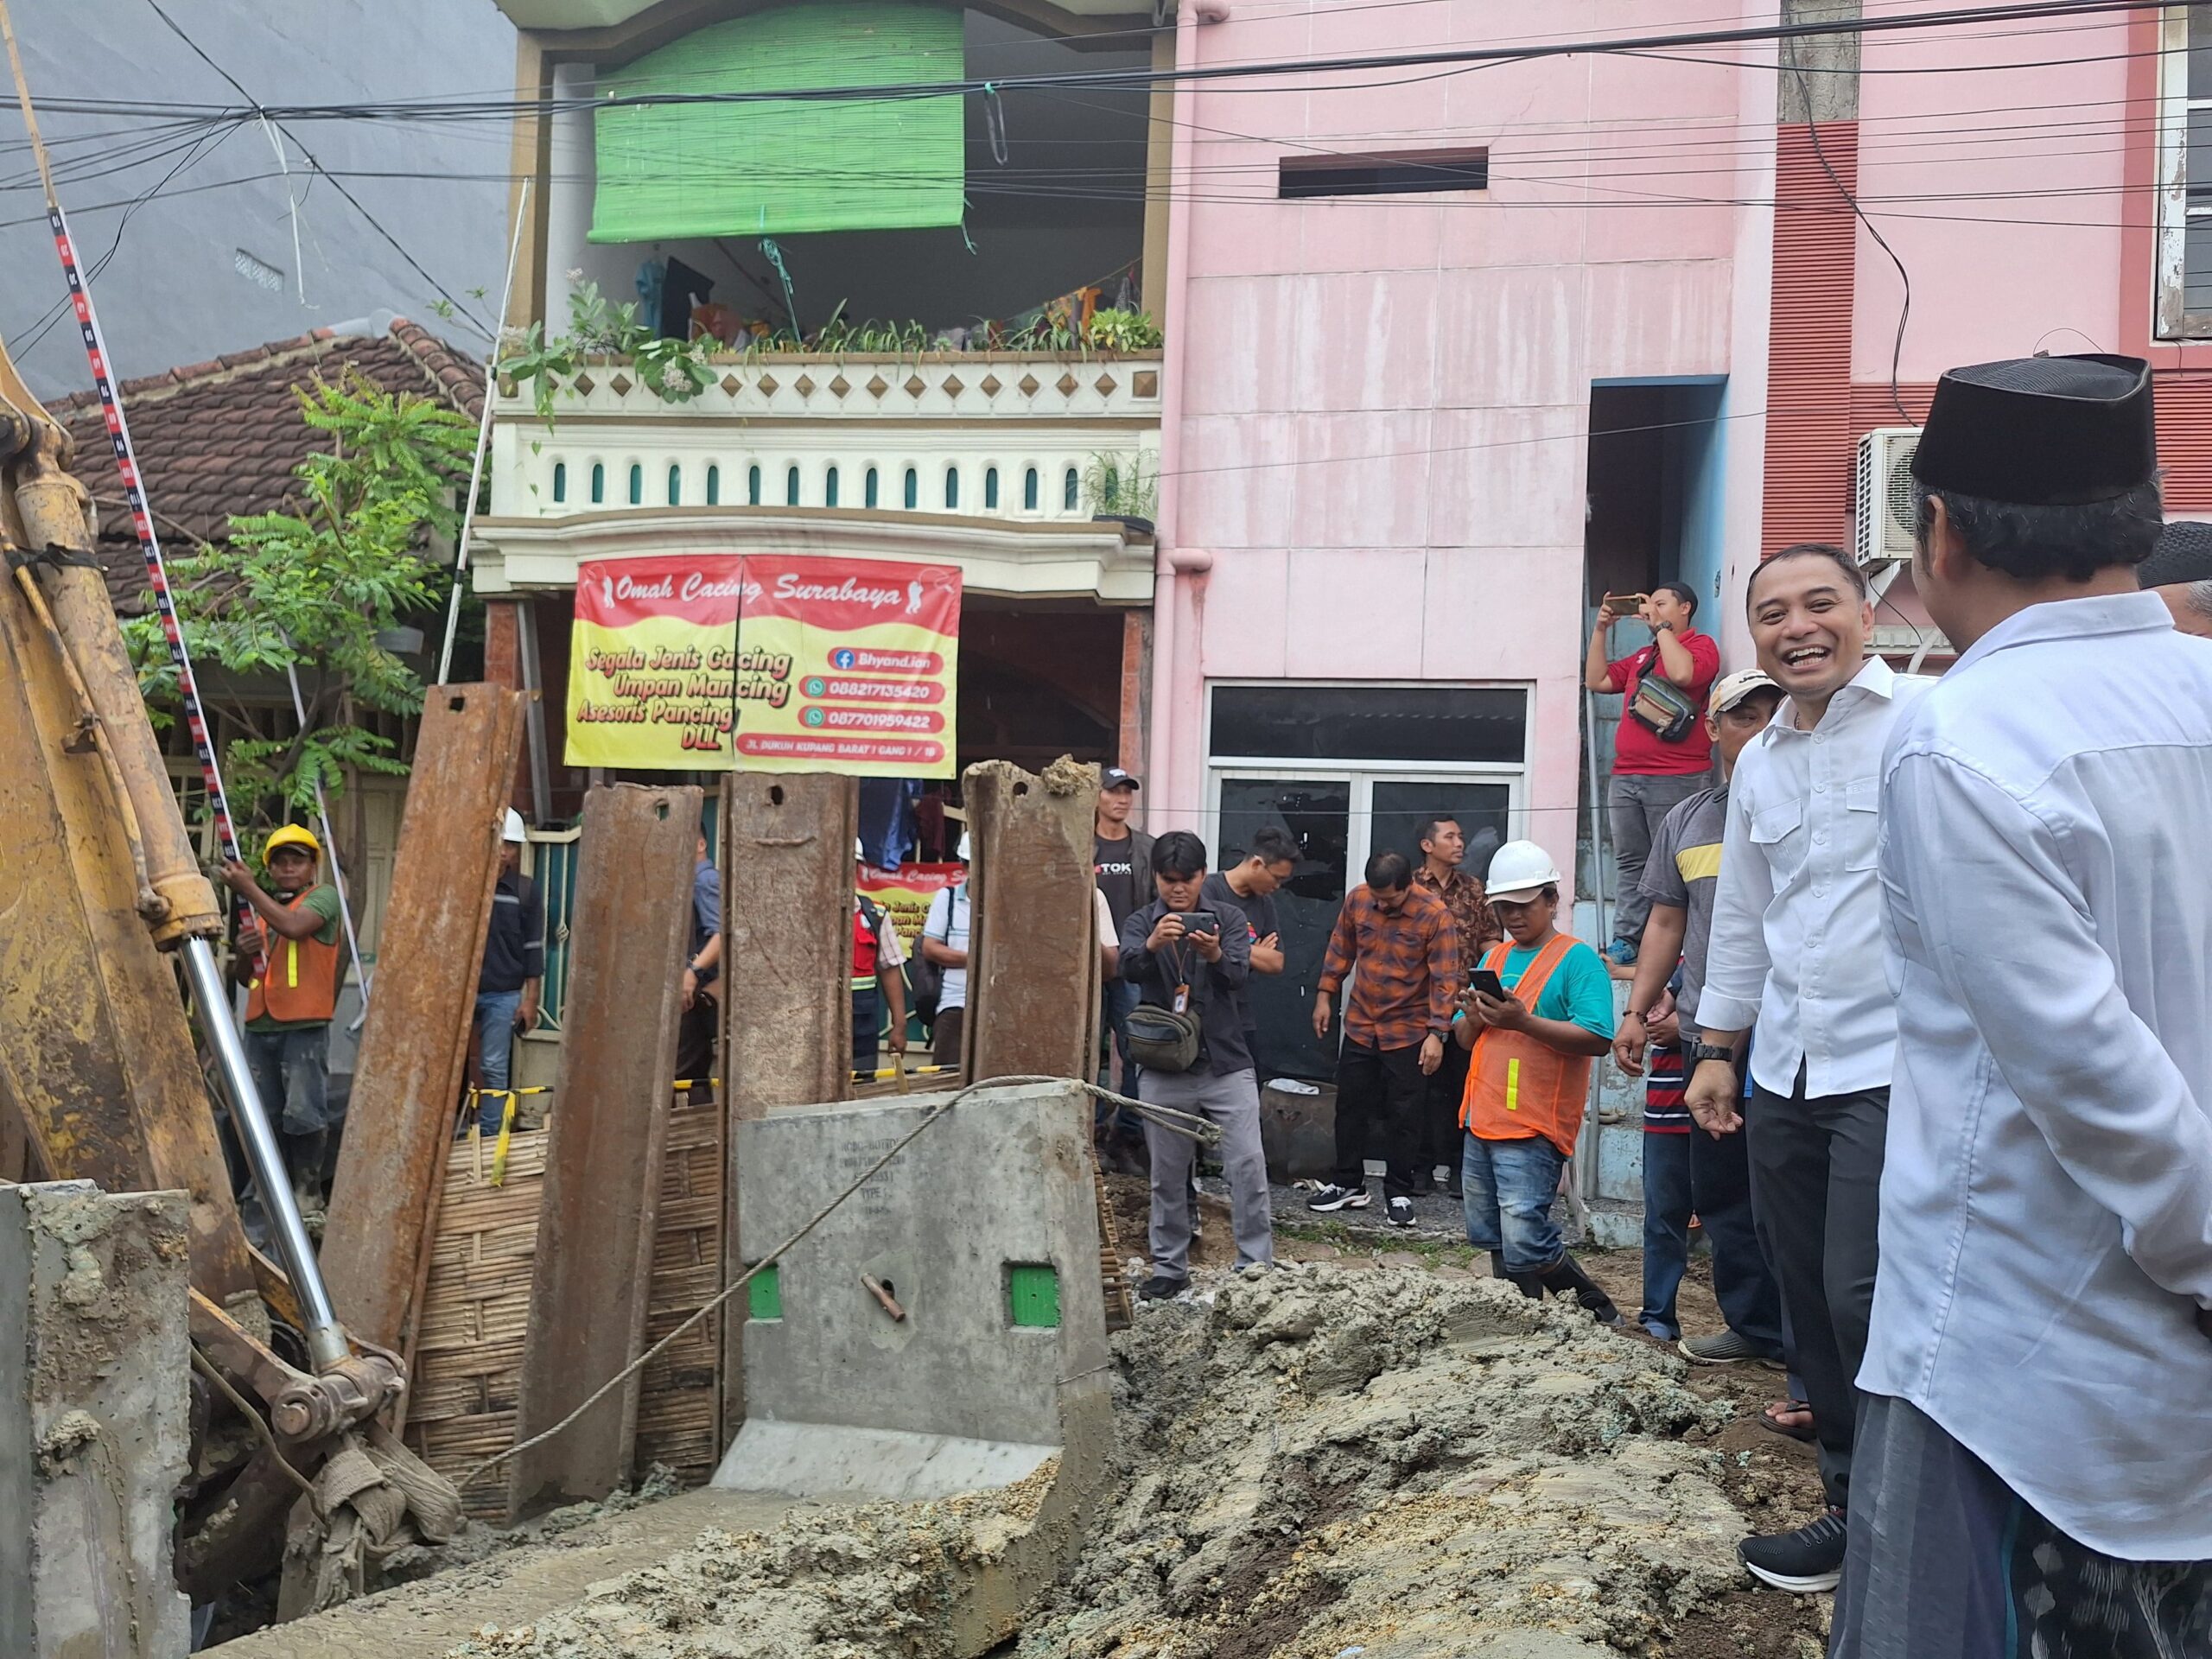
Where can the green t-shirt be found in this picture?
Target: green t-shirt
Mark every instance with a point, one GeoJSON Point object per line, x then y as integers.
{"type": "Point", "coordinates": [1579, 991]}
{"type": "Point", "coordinates": [324, 901]}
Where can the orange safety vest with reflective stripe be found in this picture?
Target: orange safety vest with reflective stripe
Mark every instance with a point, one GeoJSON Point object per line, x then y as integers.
{"type": "Point", "coordinates": [1517, 1087]}
{"type": "Point", "coordinates": [865, 945]}
{"type": "Point", "coordinates": [299, 980]}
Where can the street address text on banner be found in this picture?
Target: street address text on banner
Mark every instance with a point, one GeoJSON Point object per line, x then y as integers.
{"type": "Point", "coordinates": [764, 662]}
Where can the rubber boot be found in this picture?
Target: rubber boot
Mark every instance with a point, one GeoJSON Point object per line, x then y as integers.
{"type": "Point", "coordinates": [1526, 1283]}
{"type": "Point", "coordinates": [1565, 1277]}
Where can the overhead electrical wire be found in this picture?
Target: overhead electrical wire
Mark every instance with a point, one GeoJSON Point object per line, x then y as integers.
{"type": "Point", "coordinates": [1152, 78]}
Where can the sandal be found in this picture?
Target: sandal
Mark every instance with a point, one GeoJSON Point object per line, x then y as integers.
{"type": "Point", "coordinates": [1770, 1418]}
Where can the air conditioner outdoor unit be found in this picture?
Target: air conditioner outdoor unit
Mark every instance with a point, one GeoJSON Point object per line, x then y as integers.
{"type": "Point", "coordinates": [1884, 493]}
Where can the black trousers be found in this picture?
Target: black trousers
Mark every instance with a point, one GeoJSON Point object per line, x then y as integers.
{"type": "Point", "coordinates": [1441, 1130]}
{"type": "Point", "coordinates": [1380, 1094]}
{"type": "Point", "coordinates": [1816, 1179]}
{"type": "Point", "coordinates": [698, 1033]}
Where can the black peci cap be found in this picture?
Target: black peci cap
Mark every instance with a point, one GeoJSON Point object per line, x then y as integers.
{"type": "Point", "coordinates": [2040, 431]}
{"type": "Point", "coordinates": [2183, 554]}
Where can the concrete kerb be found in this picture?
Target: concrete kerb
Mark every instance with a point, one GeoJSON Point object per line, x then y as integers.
{"type": "Point", "coordinates": [93, 1421]}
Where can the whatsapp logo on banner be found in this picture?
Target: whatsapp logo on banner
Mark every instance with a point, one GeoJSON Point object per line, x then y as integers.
{"type": "Point", "coordinates": [814, 717]}
{"type": "Point", "coordinates": [816, 686]}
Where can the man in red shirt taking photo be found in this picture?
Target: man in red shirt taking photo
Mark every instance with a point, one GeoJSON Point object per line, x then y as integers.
{"type": "Point", "coordinates": [1662, 754]}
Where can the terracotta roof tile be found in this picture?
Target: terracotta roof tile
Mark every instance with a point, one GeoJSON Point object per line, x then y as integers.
{"type": "Point", "coordinates": [222, 437]}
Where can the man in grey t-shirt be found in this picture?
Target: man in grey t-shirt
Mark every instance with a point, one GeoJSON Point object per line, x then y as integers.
{"type": "Point", "coordinates": [1687, 1173]}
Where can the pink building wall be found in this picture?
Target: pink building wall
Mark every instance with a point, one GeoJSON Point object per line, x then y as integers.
{"type": "Point", "coordinates": [2000, 186]}
{"type": "Point", "coordinates": [1383, 440]}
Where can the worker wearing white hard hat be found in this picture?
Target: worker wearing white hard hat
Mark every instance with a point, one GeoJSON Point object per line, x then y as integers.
{"type": "Point", "coordinates": [1537, 1011]}
{"type": "Point", "coordinates": [513, 978]}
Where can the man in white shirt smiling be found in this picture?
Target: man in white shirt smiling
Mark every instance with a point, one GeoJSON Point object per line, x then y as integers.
{"type": "Point", "coordinates": [2036, 1448]}
{"type": "Point", "coordinates": [1797, 947]}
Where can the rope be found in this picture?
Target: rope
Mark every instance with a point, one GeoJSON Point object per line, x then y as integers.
{"type": "Point", "coordinates": [126, 458]}
{"type": "Point", "coordinates": [206, 1368]}
{"type": "Point", "coordinates": [1202, 1129]}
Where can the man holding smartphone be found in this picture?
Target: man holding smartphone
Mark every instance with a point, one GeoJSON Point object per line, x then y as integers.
{"type": "Point", "coordinates": [1399, 946]}
{"type": "Point", "coordinates": [1193, 962]}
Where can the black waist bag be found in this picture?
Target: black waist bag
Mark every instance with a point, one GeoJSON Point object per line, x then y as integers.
{"type": "Point", "coordinates": [1161, 1039]}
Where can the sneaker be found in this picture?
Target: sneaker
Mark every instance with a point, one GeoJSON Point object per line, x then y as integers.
{"type": "Point", "coordinates": [1161, 1288]}
{"type": "Point", "coordinates": [1621, 954]}
{"type": "Point", "coordinates": [1333, 1196]}
{"type": "Point", "coordinates": [1725, 1349]}
{"type": "Point", "coordinates": [1399, 1212]}
{"type": "Point", "coordinates": [1805, 1562]}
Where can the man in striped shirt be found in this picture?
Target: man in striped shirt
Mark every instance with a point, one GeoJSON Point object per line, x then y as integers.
{"type": "Point", "coordinates": [1405, 946]}
{"type": "Point", "coordinates": [1686, 1174]}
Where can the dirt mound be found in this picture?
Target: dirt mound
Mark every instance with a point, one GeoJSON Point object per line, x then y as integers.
{"type": "Point", "coordinates": [1383, 1461]}
{"type": "Point", "coordinates": [871, 1581]}
{"type": "Point", "coordinates": [1398, 1464]}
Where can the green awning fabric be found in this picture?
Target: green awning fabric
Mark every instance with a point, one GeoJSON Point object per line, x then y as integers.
{"type": "Point", "coordinates": [775, 167]}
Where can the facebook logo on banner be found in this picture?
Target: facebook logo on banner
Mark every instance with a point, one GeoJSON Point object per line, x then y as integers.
{"type": "Point", "coordinates": [843, 658]}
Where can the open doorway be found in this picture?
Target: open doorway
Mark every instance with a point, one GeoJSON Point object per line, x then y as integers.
{"type": "Point", "coordinates": [1653, 515]}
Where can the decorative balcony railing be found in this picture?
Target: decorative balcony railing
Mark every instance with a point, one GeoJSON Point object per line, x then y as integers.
{"type": "Point", "coordinates": [994, 434]}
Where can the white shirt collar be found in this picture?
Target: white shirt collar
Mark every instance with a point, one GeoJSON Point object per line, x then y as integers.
{"type": "Point", "coordinates": [2072, 618]}
{"type": "Point", "coordinates": [1875, 679]}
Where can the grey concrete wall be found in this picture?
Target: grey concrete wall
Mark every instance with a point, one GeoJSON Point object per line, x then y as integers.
{"type": "Point", "coordinates": [1004, 1178]}
{"type": "Point", "coordinates": [176, 292]}
{"type": "Point", "coordinates": [94, 1435]}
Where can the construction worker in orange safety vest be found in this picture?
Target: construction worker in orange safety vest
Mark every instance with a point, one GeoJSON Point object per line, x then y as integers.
{"type": "Point", "coordinates": [1537, 1010]}
{"type": "Point", "coordinates": [292, 997]}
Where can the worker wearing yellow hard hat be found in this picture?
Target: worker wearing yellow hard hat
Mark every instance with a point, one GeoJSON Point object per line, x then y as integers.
{"type": "Point", "coordinates": [289, 957]}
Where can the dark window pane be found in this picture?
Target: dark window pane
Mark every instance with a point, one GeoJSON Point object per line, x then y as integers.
{"type": "Point", "coordinates": [2196, 267]}
{"type": "Point", "coordinates": [1343, 722]}
{"type": "Point", "coordinates": [1318, 817]}
{"type": "Point", "coordinates": [1399, 173]}
{"type": "Point", "coordinates": [1480, 810]}
{"type": "Point", "coordinates": [2200, 55]}
{"type": "Point", "coordinates": [2197, 156]}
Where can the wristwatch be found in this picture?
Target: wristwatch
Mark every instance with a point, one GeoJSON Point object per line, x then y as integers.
{"type": "Point", "coordinates": [1699, 1053]}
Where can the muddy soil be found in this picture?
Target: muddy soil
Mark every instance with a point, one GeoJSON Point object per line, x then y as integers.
{"type": "Point", "coordinates": [1378, 1452]}
{"type": "Point", "coordinates": [1405, 1464]}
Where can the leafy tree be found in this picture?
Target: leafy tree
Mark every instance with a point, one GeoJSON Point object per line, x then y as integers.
{"type": "Point", "coordinates": [312, 590]}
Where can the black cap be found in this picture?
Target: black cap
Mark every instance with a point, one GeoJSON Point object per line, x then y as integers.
{"type": "Point", "coordinates": [2183, 554]}
{"type": "Point", "coordinates": [1114, 778]}
{"type": "Point", "coordinates": [2040, 431]}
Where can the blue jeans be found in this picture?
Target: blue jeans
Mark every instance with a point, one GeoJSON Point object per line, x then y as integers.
{"type": "Point", "coordinates": [1509, 1186]}
{"type": "Point", "coordinates": [495, 1047]}
{"type": "Point", "coordinates": [1120, 997]}
{"type": "Point", "coordinates": [1694, 1174]}
{"type": "Point", "coordinates": [291, 1073]}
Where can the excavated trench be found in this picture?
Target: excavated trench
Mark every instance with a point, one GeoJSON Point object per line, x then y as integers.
{"type": "Point", "coordinates": [1382, 1462]}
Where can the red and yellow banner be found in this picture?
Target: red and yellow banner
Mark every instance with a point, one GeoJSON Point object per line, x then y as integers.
{"type": "Point", "coordinates": [906, 892]}
{"type": "Point", "coordinates": [767, 662]}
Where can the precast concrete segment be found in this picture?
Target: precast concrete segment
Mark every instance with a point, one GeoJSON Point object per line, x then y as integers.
{"type": "Point", "coordinates": [93, 1421]}
{"type": "Point", "coordinates": [414, 1049]}
{"type": "Point", "coordinates": [1033, 968]}
{"type": "Point", "coordinates": [96, 1054]}
{"type": "Point", "coordinates": [787, 1016]}
{"type": "Point", "coordinates": [998, 1372]}
{"type": "Point", "coordinates": [598, 1215]}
